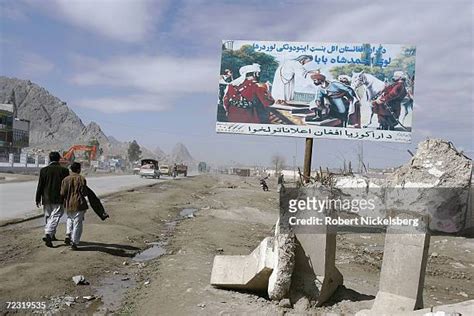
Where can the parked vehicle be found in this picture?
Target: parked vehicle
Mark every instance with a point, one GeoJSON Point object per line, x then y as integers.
{"type": "Point", "coordinates": [71, 154]}
{"type": "Point", "coordinates": [149, 169]}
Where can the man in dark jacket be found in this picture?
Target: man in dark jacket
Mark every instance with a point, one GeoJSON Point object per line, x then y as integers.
{"type": "Point", "coordinates": [48, 193]}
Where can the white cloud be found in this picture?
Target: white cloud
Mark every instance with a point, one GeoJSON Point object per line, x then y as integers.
{"type": "Point", "coordinates": [149, 76]}
{"type": "Point", "coordinates": [122, 20]}
{"type": "Point", "coordinates": [33, 65]}
{"type": "Point", "coordinates": [157, 74]}
{"type": "Point", "coordinates": [12, 11]}
{"type": "Point", "coordinates": [117, 104]}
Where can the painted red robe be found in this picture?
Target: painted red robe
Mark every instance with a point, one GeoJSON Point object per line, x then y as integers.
{"type": "Point", "coordinates": [253, 92]}
{"type": "Point", "coordinates": [392, 96]}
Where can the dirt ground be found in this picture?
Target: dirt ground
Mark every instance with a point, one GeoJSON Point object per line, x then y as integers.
{"type": "Point", "coordinates": [183, 224]}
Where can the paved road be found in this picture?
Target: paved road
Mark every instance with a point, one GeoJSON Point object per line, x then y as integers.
{"type": "Point", "coordinates": [18, 199]}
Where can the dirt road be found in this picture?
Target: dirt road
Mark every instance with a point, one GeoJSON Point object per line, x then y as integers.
{"type": "Point", "coordinates": [183, 224]}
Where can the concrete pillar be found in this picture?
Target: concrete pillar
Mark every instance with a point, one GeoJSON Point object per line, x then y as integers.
{"type": "Point", "coordinates": [403, 270]}
{"type": "Point", "coordinates": [36, 161]}
{"type": "Point", "coordinates": [24, 160]}
{"type": "Point", "coordinates": [46, 160]}
{"type": "Point", "coordinates": [10, 160]}
{"type": "Point", "coordinates": [315, 275]}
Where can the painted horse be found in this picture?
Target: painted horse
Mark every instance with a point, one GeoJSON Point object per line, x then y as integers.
{"type": "Point", "coordinates": [373, 87]}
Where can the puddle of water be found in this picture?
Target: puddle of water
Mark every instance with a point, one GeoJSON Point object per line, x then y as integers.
{"type": "Point", "coordinates": [112, 290]}
{"type": "Point", "coordinates": [188, 212]}
{"type": "Point", "coordinates": [156, 250]}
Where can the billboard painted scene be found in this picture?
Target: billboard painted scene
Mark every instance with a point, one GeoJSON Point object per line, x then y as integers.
{"type": "Point", "coordinates": [321, 90]}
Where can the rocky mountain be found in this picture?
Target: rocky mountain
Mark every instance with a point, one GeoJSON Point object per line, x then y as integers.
{"type": "Point", "coordinates": [159, 153]}
{"type": "Point", "coordinates": [53, 125]}
{"type": "Point", "coordinates": [51, 121]}
{"type": "Point", "coordinates": [180, 154]}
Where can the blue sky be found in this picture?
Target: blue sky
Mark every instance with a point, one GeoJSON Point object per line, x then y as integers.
{"type": "Point", "coordinates": [147, 70]}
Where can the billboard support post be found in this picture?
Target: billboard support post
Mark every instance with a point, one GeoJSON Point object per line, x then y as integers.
{"type": "Point", "coordinates": [308, 153]}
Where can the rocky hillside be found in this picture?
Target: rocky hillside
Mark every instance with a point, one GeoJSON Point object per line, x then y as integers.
{"type": "Point", "coordinates": [52, 122]}
{"type": "Point", "coordinates": [53, 125]}
{"type": "Point", "coordinates": [180, 154]}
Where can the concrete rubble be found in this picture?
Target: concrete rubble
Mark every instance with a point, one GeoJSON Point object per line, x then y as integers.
{"type": "Point", "coordinates": [298, 268]}
{"type": "Point", "coordinates": [245, 272]}
{"type": "Point", "coordinates": [436, 182]}
{"type": "Point", "coordinates": [79, 279]}
{"type": "Point", "coordinates": [284, 262]}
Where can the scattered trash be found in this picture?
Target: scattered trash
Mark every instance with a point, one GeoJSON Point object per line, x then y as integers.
{"type": "Point", "coordinates": [147, 282]}
{"type": "Point", "coordinates": [125, 278]}
{"type": "Point", "coordinates": [458, 265]}
{"type": "Point", "coordinates": [188, 212]}
{"type": "Point", "coordinates": [89, 297]}
{"type": "Point", "coordinates": [79, 280]}
{"type": "Point", "coordinates": [69, 300]}
{"type": "Point", "coordinates": [202, 305]}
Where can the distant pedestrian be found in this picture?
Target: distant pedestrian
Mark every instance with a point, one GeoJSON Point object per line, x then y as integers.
{"type": "Point", "coordinates": [48, 193]}
{"type": "Point", "coordinates": [280, 182]}
{"type": "Point", "coordinates": [74, 192]}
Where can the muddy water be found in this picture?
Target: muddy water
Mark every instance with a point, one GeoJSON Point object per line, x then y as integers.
{"type": "Point", "coordinates": [112, 289]}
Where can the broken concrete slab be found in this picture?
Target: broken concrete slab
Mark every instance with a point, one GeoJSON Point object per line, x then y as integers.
{"type": "Point", "coordinates": [249, 272]}
{"type": "Point", "coordinates": [435, 182]}
{"type": "Point", "coordinates": [284, 257]}
{"type": "Point", "coordinates": [403, 271]}
{"type": "Point", "coordinates": [315, 275]}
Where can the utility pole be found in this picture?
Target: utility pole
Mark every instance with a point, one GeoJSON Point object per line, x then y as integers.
{"type": "Point", "coordinates": [308, 153]}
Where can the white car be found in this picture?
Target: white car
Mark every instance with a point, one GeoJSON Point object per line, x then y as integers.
{"type": "Point", "coordinates": [149, 169]}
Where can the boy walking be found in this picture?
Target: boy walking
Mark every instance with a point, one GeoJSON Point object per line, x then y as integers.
{"type": "Point", "coordinates": [48, 194]}
{"type": "Point", "coordinates": [74, 192]}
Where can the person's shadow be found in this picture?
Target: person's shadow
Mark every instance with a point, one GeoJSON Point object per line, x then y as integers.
{"type": "Point", "coordinates": [111, 249]}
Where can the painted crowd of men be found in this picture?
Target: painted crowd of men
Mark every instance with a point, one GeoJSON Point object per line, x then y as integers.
{"type": "Point", "coordinates": [246, 100]}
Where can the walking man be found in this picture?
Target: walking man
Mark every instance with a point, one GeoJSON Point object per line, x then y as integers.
{"type": "Point", "coordinates": [48, 193]}
{"type": "Point", "coordinates": [74, 192]}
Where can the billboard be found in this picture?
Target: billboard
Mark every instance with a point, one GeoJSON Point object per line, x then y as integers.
{"type": "Point", "coordinates": [321, 90]}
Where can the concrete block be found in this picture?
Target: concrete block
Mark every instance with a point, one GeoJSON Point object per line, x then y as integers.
{"type": "Point", "coordinates": [403, 272]}
{"type": "Point", "coordinates": [247, 272]}
{"type": "Point", "coordinates": [315, 275]}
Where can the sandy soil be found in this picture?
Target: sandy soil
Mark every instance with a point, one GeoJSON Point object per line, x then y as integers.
{"type": "Point", "coordinates": [172, 276]}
